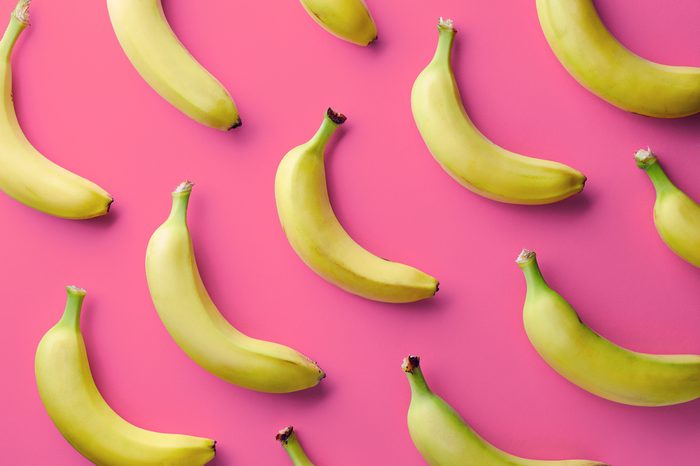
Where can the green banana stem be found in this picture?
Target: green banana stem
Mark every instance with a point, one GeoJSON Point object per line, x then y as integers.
{"type": "Point", "coordinates": [411, 366]}
{"type": "Point", "coordinates": [331, 122]}
{"type": "Point", "coordinates": [527, 261]}
{"type": "Point", "coordinates": [19, 20]}
{"type": "Point", "coordinates": [181, 198]}
{"type": "Point", "coordinates": [288, 438]}
{"type": "Point", "coordinates": [647, 161]}
{"type": "Point", "coordinates": [74, 304]}
{"type": "Point", "coordinates": [445, 41]}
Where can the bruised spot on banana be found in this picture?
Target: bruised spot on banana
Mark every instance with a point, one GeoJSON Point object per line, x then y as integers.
{"type": "Point", "coordinates": [84, 418]}
{"type": "Point", "coordinates": [290, 442]}
{"type": "Point", "coordinates": [466, 154]}
{"type": "Point", "coordinates": [320, 240]}
{"type": "Point", "coordinates": [676, 215]}
{"type": "Point", "coordinates": [444, 439]}
{"type": "Point", "coordinates": [349, 20]}
{"type": "Point", "coordinates": [167, 66]}
{"type": "Point", "coordinates": [594, 363]}
{"type": "Point", "coordinates": [27, 176]}
{"type": "Point", "coordinates": [197, 326]}
{"type": "Point", "coordinates": [600, 63]}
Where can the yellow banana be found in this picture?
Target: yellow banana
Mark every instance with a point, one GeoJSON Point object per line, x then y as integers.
{"type": "Point", "coordinates": [348, 19]}
{"type": "Point", "coordinates": [444, 439]}
{"type": "Point", "coordinates": [197, 326]}
{"type": "Point", "coordinates": [167, 66]}
{"type": "Point", "coordinates": [84, 418]}
{"type": "Point", "coordinates": [677, 216]}
{"type": "Point", "coordinates": [288, 438]}
{"type": "Point", "coordinates": [605, 67]}
{"type": "Point", "coordinates": [27, 175]}
{"type": "Point", "coordinates": [595, 364]}
{"type": "Point", "coordinates": [320, 240]}
{"type": "Point", "coordinates": [467, 155]}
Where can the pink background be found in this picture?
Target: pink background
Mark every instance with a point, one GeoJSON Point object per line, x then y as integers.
{"type": "Point", "coordinates": [83, 105]}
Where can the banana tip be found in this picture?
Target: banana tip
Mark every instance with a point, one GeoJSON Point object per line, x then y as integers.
{"type": "Point", "coordinates": [525, 256]}
{"type": "Point", "coordinates": [335, 117]}
{"type": "Point", "coordinates": [76, 290]}
{"type": "Point", "coordinates": [645, 158]}
{"type": "Point", "coordinates": [236, 124]}
{"type": "Point", "coordinates": [410, 363]}
{"type": "Point", "coordinates": [446, 24]}
{"type": "Point", "coordinates": [284, 434]}
{"type": "Point", "coordinates": [184, 187]}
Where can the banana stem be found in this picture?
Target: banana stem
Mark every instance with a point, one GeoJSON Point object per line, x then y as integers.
{"type": "Point", "coordinates": [19, 20]}
{"type": "Point", "coordinates": [74, 304]}
{"type": "Point", "coordinates": [647, 161]}
{"type": "Point", "coordinates": [411, 366]}
{"type": "Point", "coordinates": [288, 438]}
{"type": "Point", "coordinates": [659, 178]}
{"type": "Point", "coordinates": [527, 261]}
{"type": "Point", "coordinates": [331, 122]}
{"type": "Point", "coordinates": [181, 198]}
{"type": "Point", "coordinates": [445, 41]}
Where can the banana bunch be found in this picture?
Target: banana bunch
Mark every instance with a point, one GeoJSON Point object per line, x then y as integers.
{"type": "Point", "coordinates": [594, 363]}
{"type": "Point", "coordinates": [26, 174]}
{"type": "Point", "coordinates": [167, 66]}
{"type": "Point", "coordinates": [320, 240]}
{"type": "Point", "coordinates": [198, 327]}
{"type": "Point", "coordinates": [444, 439]}
{"type": "Point", "coordinates": [677, 216]}
{"type": "Point", "coordinates": [83, 417]}
{"type": "Point", "coordinates": [592, 55]}
{"type": "Point", "coordinates": [348, 19]}
{"type": "Point", "coordinates": [466, 154]}
{"type": "Point", "coordinates": [288, 438]}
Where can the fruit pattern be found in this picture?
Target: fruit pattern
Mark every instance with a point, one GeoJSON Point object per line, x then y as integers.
{"type": "Point", "coordinates": [575, 351]}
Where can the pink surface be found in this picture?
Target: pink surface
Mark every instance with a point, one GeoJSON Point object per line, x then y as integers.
{"type": "Point", "coordinates": [82, 104]}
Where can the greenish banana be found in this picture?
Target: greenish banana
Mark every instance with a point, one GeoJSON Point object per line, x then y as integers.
{"type": "Point", "coordinates": [592, 55]}
{"type": "Point", "coordinates": [83, 417]}
{"type": "Point", "coordinates": [348, 19]}
{"type": "Point", "coordinates": [27, 176]}
{"type": "Point", "coordinates": [594, 363]}
{"type": "Point", "coordinates": [198, 327]}
{"type": "Point", "coordinates": [466, 154]}
{"type": "Point", "coordinates": [288, 438]}
{"type": "Point", "coordinates": [677, 216]}
{"type": "Point", "coordinates": [167, 66]}
{"type": "Point", "coordinates": [444, 439]}
{"type": "Point", "coordinates": [317, 236]}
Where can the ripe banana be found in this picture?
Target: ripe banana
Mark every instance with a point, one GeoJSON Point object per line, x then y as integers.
{"type": "Point", "coordinates": [320, 240]}
{"type": "Point", "coordinates": [167, 66]}
{"type": "Point", "coordinates": [594, 363]}
{"type": "Point", "coordinates": [444, 439]}
{"type": "Point", "coordinates": [84, 418]}
{"type": "Point", "coordinates": [605, 67]}
{"type": "Point", "coordinates": [288, 438]}
{"type": "Point", "coordinates": [26, 175]}
{"type": "Point", "coordinates": [348, 19]}
{"type": "Point", "coordinates": [197, 326]}
{"type": "Point", "coordinates": [677, 216]}
{"type": "Point", "coordinates": [466, 154]}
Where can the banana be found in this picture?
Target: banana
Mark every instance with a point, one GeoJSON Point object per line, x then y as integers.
{"type": "Point", "coordinates": [167, 66]}
{"type": "Point", "coordinates": [348, 19]}
{"type": "Point", "coordinates": [197, 326]}
{"type": "Point", "coordinates": [320, 240]}
{"type": "Point", "coordinates": [592, 55]}
{"type": "Point", "coordinates": [466, 154]}
{"type": "Point", "coordinates": [84, 418]}
{"type": "Point", "coordinates": [26, 175]}
{"type": "Point", "coordinates": [444, 439]}
{"type": "Point", "coordinates": [288, 438]}
{"type": "Point", "coordinates": [677, 216]}
{"type": "Point", "coordinates": [594, 363]}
